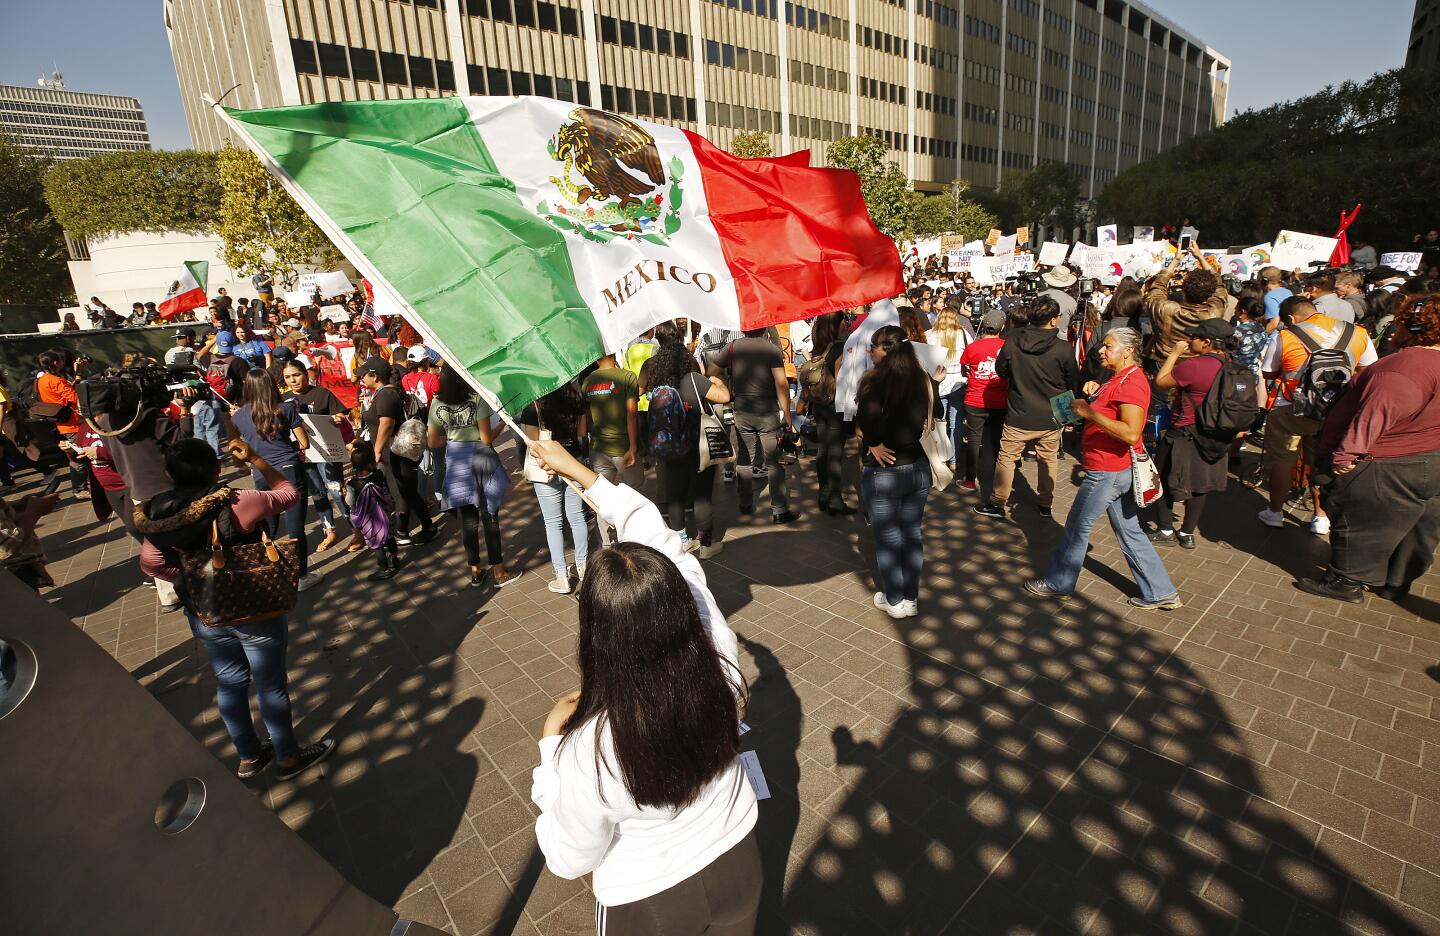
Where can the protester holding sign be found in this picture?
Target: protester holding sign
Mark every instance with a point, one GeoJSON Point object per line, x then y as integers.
{"type": "Point", "coordinates": [325, 480]}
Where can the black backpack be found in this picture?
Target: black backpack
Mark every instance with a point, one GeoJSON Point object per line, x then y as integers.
{"type": "Point", "coordinates": [1232, 403]}
{"type": "Point", "coordinates": [1323, 378]}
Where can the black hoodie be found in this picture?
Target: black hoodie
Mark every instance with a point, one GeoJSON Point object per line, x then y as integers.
{"type": "Point", "coordinates": [1039, 366]}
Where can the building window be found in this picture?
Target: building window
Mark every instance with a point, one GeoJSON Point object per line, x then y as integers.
{"type": "Point", "coordinates": [364, 65]}
{"type": "Point", "coordinates": [392, 68]}
{"type": "Point", "coordinates": [422, 72]}
{"type": "Point", "coordinates": [303, 52]}
{"type": "Point", "coordinates": [497, 81]}
{"type": "Point", "coordinates": [547, 16]}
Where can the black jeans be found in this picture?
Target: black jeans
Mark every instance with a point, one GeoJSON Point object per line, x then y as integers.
{"type": "Point", "coordinates": [1385, 520]}
{"type": "Point", "coordinates": [472, 519]}
{"type": "Point", "coordinates": [294, 518]}
{"type": "Point", "coordinates": [684, 486]}
{"type": "Point", "coordinates": [982, 439]}
{"type": "Point", "coordinates": [407, 482]}
{"type": "Point", "coordinates": [831, 431]}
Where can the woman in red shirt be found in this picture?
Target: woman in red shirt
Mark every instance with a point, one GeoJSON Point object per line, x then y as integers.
{"type": "Point", "coordinates": [1114, 425]}
{"type": "Point", "coordinates": [986, 397]}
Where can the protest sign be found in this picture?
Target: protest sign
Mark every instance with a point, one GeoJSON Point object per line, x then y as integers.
{"type": "Point", "coordinates": [981, 269]}
{"type": "Point", "coordinates": [1005, 246]}
{"type": "Point", "coordinates": [1236, 265]}
{"type": "Point", "coordinates": [1143, 235]}
{"type": "Point", "coordinates": [1052, 253]}
{"type": "Point", "coordinates": [1022, 236]}
{"type": "Point", "coordinates": [1297, 251]}
{"type": "Point", "coordinates": [925, 249]}
{"type": "Point", "coordinates": [1078, 252]}
{"type": "Point", "coordinates": [1190, 232]}
{"type": "Point", "coordinates": [1259, 256]}
{"type": "Point", "coordinates": [334, 313]}
{"type": "Point", "coordinates": [1407, 262]}
{"type": "Point", "coordinates": [327, 444]}
{"type": "Point", "coordinates": [1109, 235]}
{"type": "Point", "coordinates": [1024, 262]}
{"type": "Point", "coordinates": [993, 236]}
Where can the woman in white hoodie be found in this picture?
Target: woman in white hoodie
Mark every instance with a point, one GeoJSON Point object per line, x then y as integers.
{"type": "Point", "coordinates": [640, 780]}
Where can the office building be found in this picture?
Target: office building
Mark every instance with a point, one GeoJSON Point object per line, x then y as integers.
{"type": "Point", "coordinates": [52, 121]}
{"type": "Point", "coordinates": [974, 89]}
{"type": "Point", "coordinates": [1424, 48]}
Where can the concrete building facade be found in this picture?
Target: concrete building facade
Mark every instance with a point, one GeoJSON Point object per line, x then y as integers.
{"type": "Point", "coordinates": [1424, 48]}
{"type": "Point", "coordinates": [71, 124]}
{"type": "Point", "coordinates": [973, 89]}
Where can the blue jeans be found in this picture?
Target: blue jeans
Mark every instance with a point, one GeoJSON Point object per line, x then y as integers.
{"type": "Point", "coordinates": [237, 654]}
{"type": "Point", "coordinates": [326, 482]}
{"type": "Point", "coordinates": [1108, 492]}
{"type": "Point", "coordinates": [560, 503]}
{"type": "Point", "coordinates": [206, 414]}
{"type": "Point", "coordinates": [294, 517]}
{"type": "Point", "coordinates": [895, 499]}
{"type": "Point", "coordinates": [955, 420]}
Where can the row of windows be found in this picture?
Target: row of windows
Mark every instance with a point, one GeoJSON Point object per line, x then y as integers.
{"type": "Point", "coordinates": [813, 128]}
{"type": "Point", "coordinates": [892, 138]}
{"type": "Point", "coordinates": [337, 61]}
{"type": "Point", "coordinates": [1013, 160]}
{"type": "Point", "coordinates": [1087, 36]}
{"type": "Point", "coordinates": [1053, 95]}
{"type": "Point", "coordinates": [945, 149]}
{"type": "Point", "coordinates": [1057, 22]}
{"type": "Point", "coordinates": [1129, 120]}
{"type": "Point", "coordinates": [647, 104]}
{"type": "Point", "coordinates": [75, 110]}
{"type": "Point", "coordinates": [1129, 151]}
{"type": "Point", "coordinates": [882, 90]}
{"type": "Point", "coordinates": [1080, 137]}
{"type": "Point", "coordinates": [1026, 7]}
{"type": "Point", "coordinates": [823, 23]}
{"type": "Point", "coordinates": [1082, 104]}
{"type": "Point", "coordinates": [1109, 113]}
{"type": "Point", "coordinates": [978, 154]}
{"type": "Point", "coordinates": [1134, 89]}
{"type": "Point", "coordinates": [741, 118]}
{"type": "Point", "coordinates": [1106, 144]}
{"type": "Point", "coordinates": [33, 120]}
{"type": "Point", "coordinates": [1112, 48]}
{"type": "Point", "coordinates": [941, 13]}
{"type": "Point", "coordinates": [981, 29]}
{"type": "Point", "coordinates": [881, 41]}
{"type": "Point", "coordinates": [938, 58]}
{"type": "Point", "coordinates": [1087, 71]}
{"type": "Point", "coordinates": [537, 14]}
{"type": "Point", "coordinates": [498, 81]}
{"type": "Point", "coordinates": [1153, 98]}
{"type": "Point", "coordinates": [819, 76]}
{"type": "Point", "coordinates": [1020, 85]}
{"type": "Point", "coordinates": [65, 152]}
{"type": "Point", "coordinates": [1134, 59]}
{"type": "Point", "coordinates": [68, 137]}
{"type": "Point", "coordinates": [646, 38]}
{"type": "Point", "coordinates": [1081, 169]}
{"type": "Point", "coordinates": [935, 103]}
{"type": "Point", "coordinates": [1057, 58]}
{"type": "Point", "coordinates": [1019, 122]}
{"type": "Point", "coordinates": [978, 72]}
{"type": "Point", "coordinates": [1021, 45]}
{"type": "Point", "coordinates": [1104, 176]}
{"type": "Point", "coordinates": [1052, 131]}
{"type": "Point", "coordinates": [770, 9]}
{"type": "Point", "coordinates": [1109, 80]}
{"type": "Point", "coordinates": [985, 115]}
{"type": "Point", "coordinates": [726, 55]}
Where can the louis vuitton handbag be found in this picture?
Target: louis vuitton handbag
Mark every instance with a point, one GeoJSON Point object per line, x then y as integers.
{"type": "Point", "coordinates": [244, 582]}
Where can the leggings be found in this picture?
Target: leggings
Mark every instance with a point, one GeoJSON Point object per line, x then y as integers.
{"type": "Point", "coordinates": [1194, 507]}
{"type": "Point", "coordinates": [983, 428]}
{"type": "Point", "coordinates": [472, 518]}
{"type": "Point", "coordinates": [683, 486]}
{"type": "Point", "coordinates": [407, 481]}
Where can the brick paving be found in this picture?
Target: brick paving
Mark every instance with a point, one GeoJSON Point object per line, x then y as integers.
{"type": "Point", "coordinates": [1260, 761]}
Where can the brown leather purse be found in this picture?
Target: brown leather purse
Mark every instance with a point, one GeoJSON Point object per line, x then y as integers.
{"type": "Point", "coordinates": [240, 583]}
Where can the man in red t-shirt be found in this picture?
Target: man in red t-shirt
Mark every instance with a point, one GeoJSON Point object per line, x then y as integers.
{"type": "Point", "coordinates": [422, 382]}
{"type": "Point", "coordinates": [986, 396]}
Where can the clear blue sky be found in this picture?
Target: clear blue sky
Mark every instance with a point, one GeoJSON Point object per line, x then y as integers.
{"type": "Point", "coordinates": [1280, 49]}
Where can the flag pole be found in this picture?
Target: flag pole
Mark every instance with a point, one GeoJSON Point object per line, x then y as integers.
{"type": "Point", "coordinates": [357, 258]}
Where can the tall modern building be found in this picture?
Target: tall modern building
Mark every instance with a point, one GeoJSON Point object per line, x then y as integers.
{"type": "Point", "coordinates": [973, 89]}
{"type": "Point", "coordinates": [65, 124]}
{"type": "Point", "coordinates": [1424, 48]}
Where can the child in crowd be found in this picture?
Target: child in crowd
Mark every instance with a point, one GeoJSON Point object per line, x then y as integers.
{"type": "Point", "coordinates": [372, 511]}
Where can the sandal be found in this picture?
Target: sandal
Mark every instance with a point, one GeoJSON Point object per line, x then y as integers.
{"type": "Point", "coordinates": [357, 543]}
{"type": "Point", "coordinates": [252, 768]}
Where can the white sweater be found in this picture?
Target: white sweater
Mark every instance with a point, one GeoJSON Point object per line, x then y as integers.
{"type": "Point", "coordinates": [636, 851]}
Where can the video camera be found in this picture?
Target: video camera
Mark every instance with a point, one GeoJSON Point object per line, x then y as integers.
{"type": "Point", "coordinates": [1087, 288]}
{"type": "Point", "coordinates": [128, 394]}
{"type": "Point", "coordinates": [1026, 285]}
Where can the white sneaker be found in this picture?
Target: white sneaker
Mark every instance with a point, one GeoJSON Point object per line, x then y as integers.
{"type": "Point", "coordinates": [711, 551]}
{"type": "Point", "coordinates": [1320, 526]}
{"type": "Point", "coordinates": [580, 568]}
{"type": "Point", "coordinates": [912, 608]}
{"type": "Point", "coordinates": [308, 581]}
{"type": "Point", "coordinates": [691, 545]}
{"type": "Point", "coordinates": [1271, 518]}
{"type": "Point", "coordinates": [561, 585]}
{"type": "Point", "coordinates": [895, 611]}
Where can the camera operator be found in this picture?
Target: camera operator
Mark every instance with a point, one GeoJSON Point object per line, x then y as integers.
{"type": "Point", "coordinates": [1059, 282]}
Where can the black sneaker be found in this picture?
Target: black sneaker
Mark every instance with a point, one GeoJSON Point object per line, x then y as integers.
{"type": "Point", "coordinates": [252, 768]}
{"type": "Point", "coordinates": [1043, 511]}
{"type": "Point", "coordinates": [745, 510]}
{"type": "Point", "coordinates": [991, 509]}
{"type": "Point", "coordinates": [423, 537]}
{"type": "Point", "coordinates": [380, 575]}
{"type": "Point", "coordinates": [1161, 537]}
{"type": "Point", "coordinates": [785, 516]}
{"type": "Point", "coordinates": [1186, 540]}
{"type": "Point", "coordinates": [310, 755]}
{"type": "Point", "coordinates": [1334, 586]}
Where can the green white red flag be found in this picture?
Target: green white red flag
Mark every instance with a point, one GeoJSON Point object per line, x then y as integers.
{"type": "Point", "coordinates": [187, 291]}
{"type": "Point", "coordinates": [524, 237]}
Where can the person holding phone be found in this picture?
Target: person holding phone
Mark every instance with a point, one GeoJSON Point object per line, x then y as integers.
{"type": "Point", "coordinates": [1203, 297]}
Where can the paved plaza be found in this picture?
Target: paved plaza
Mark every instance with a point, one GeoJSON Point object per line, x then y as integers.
{"type": "Point", "coordinates": [1259, 762]}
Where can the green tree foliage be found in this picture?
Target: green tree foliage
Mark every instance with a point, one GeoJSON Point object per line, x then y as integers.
{"type": "Point", "coordinates": [141, 190]}
{"type": "Point", "coordinates": [32, 248]}
{"type": "Point", "coordinates": [1298, 165]}
{"type": "Point", "coordinates": [261, 225]}
{"type": "Point", "coordinates": [887, 192]}
{"type": "Point", "coordinates": [950, 212]}
{"type": "Point", "coordinates": [751, 144]}
{"type": "Point", "coordinates": [1050, 194]}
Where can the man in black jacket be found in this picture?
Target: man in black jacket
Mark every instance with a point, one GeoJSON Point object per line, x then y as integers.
{"type": "Point", "coordinates": [1038, 366]}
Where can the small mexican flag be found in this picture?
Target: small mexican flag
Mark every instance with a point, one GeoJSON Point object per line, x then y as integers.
{"type": "Point", "coordinates": [524, 237]}
{"type": "Point", "coordinates": [188, 290]}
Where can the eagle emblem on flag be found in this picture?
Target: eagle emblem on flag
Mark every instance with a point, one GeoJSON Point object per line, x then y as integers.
{"type": "Point", "coordinates": [624, 187]}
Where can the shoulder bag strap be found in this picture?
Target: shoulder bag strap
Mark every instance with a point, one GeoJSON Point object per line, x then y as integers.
{"type": "Point", "coordinates": [217, 549]}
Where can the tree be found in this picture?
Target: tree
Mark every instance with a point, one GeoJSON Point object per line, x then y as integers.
{"type": "Point", "coordinates": [887, 192]}
{"type": "Point", "coordinates": [1050, 194]}
{"type": "Point", "coordinates": [751, 144]}
{"type": "Point", "coordinates": [138, 190]}
{"type": "Point", "coordinates": [951, 212]}
{"type": "Point", "coordinates": [32, 247]}
{"type": "Point", "coordinates": [261, 225]}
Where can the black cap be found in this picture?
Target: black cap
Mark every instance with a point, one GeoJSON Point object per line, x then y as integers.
{"type": "Point", "coordinates": [185, 333]}
{"type": "Point", "coordinates": [1215, 329]}
{"type": "Point", "coordinates": [281, 353]}
{"type": "Point", "coordinates": [377, 366]}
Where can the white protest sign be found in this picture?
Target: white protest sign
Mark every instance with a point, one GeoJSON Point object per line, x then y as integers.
{"type": "Point", "coordinates": [1259, 256]}
{"type": "Point", "coordinates": [1143, 235]}
{"type": "Point", "coordinates": [326, 443]}
{"type": "Point", "coordinates": [1052, 253]}
{"type": "Point", "coordinates": [334, 313]}
{"type": "Point", "coordinates": [1103, 265]}
{"type": "Point", "coordinates": [1024, 262]}
{"type": "Point", "coordinates": [331, 283]}
{"type": "Point", "coordinates": [1190, 232]}
{"type": "Point", "coordinates": [1236, 265]}
{"type": "Point", "coordinates": [980, 268]}
{"type": "Point", "coordinates": [1077, 254]}
{"type": "Point", "coordinates": [1296, 251]}
{"type": "Point", "coordinates": [296, 299]}
{"type": "Point", "coordinates": [1005, 246]}
{"type": "Point", "coordinates": [963, 258]}
{"type": "Point", "coordinates": [1108, 234]}
{"type": "Point", "coordinates": [1401, 262]}
{"type": "Point", "coordinates": [928, 248]}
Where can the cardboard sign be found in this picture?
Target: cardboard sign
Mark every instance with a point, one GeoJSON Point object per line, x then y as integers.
{"type": "Point", "coordinates": [327, 444]}
{"type": "Point", "coordinates": [928, 248]}
{"type": "Point", "coordinates": [993, 237]}
{"type": "Point", "coordinates": [1297, 251]}
{"type": "Point", "coordinates": [1143, 235]}
{"type": "Point", "coordinates": [1407, 262]}
{"type": "Point", "coordinates": [1052, 253]}
{"type": "Point", "coordinates": [1108, 235]}
{"type": "Point", "coordinates": [1022, 236]}
{"type": "Point", "coordinates": [1237, 265]}
{"type": "Point", "coordinates": [334, 313]}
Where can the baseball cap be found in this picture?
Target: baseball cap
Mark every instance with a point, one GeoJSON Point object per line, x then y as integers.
{"type": "Point", "coordinates": [416, 354]}
{"type": "Point", "coordinates": [185, 333]}
{"type": "Point", "coordinates": [225, 342]}
{"type": "Point", "coordinates": [377, 366]}
{"type": "Point", "coordinates": [281, 353]}
{"type": "Point", "coordinates": [994, 320]}
{"type": "Point", "coordinates": [1215, 329]}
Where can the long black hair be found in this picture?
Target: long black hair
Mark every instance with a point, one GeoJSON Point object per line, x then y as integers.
{"type": "Point", "coordinates": [262, 395]}
{"type": "Point", "coordinates": [825, 330]}
{"type": "Point", "coordinates": [453, 391]}
{"type": "Point", "coordinates": [649, 671]}
{"type": "Point", "coordinates": [898, 378]}
{"type": "Point", "coordinates": [560, 411]}
{"type": "Point", "coordinates": [669, 366]}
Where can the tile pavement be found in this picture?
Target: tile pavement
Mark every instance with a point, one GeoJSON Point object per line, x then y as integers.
{"type": "Point", "coordinates": [1260, 761]}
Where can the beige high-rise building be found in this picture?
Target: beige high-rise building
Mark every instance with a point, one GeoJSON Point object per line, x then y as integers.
{"type": "Point", "coordinates": [973, 89]}
{"type": "Point", "coordinates": [48, 120]}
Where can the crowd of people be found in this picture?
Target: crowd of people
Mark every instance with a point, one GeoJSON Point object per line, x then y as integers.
{"type": "Point", "coordinates": [1162, 390]}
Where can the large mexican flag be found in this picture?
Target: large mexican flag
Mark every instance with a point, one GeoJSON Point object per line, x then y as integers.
{"type": "Point", "coordinates": [187, 291]}
{"type": "Point", "coordinates": [525, 236]}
